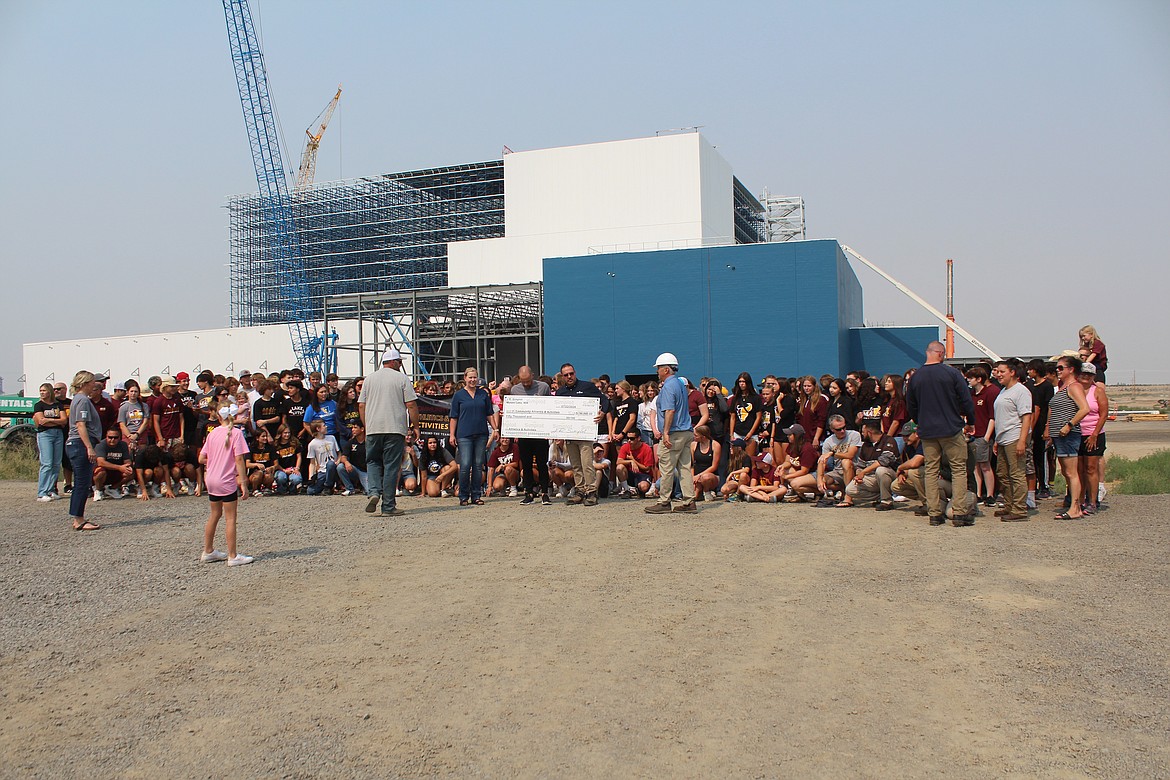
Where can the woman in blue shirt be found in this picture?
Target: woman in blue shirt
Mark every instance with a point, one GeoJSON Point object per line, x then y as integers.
{"type": "Point", "coordinates": [323, 408]}
{"type": "Point", "coordinates": [472, 412]}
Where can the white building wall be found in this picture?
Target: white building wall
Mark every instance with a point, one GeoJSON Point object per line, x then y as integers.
{"type": "Point", "coordinates": [226, 351]}
{"type": "Point", "coordinates": [642, 193]}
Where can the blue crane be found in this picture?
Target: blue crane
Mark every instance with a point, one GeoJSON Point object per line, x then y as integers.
{"type": "Point", "coordinates": [310, 349]}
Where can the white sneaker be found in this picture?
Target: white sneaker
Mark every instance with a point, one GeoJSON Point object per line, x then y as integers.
{"type": "Point", "coordinates": [398, 492]}
{"type": "Point", "coordinates": [240, 560]}
{"type": "Point", "coordinates": [897, 499]}
{"type": "Point", "coordinates": [1101, 492]}
{"type": "Point", "coordinates": [155, 492]}
{"type": "Point", "coordinates": [125, 491]}
{"type": "Point", "coordinates": [213, 556]}
{"type": "Point", "coordinates": [183, 489]}
{"type": "Point", "coordinates": [710, 495]}
{"type": "Point", "coordinates": [512, 492]}
{"type": "Point", "coordinates": [347, 492]}
{"type": "Point", "coordinates": [97, 495]}
{"type": "Point", "coordinates": [44, 499]}
{"type": "Point", "coordinates": [445, 494]}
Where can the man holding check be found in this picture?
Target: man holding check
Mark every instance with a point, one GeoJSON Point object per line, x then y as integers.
{"type": "Point", "coordinates": [581, 452]}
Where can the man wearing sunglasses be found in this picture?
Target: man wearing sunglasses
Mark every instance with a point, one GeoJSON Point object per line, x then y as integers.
{"type": "Point", "coordinates": [581, 452]}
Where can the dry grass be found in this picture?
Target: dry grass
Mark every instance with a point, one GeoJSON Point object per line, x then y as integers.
{"type": "Point", "coordinates": [18, 461]}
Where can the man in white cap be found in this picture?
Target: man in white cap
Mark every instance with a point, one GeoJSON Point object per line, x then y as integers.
{"type": "Point", "coordinates": [389, 412]}
{"type": "Point", "coordinates": [674, 452]}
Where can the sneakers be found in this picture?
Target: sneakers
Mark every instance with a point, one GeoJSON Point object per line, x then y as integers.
{"type": "Point", "coordinates": [940, 520]}
{"type": "Point", "coordinates": [183, 489]}
{"type": "Point", "coordinates": [528, 499]}
{"type": "Point", "coordinates": [444, 494]}
{"type": "Point", "coordinates": [590, 500]}
{"type": "Point", "coordinates": [155, 492]}
{"type": "Point", "coordinates": [699, 496]}
{"type": "Point", "coordinates": [899, 499]}
{"type": "Point", "coordinates": [239, 560]}
{"type": "Point", "coordinates": [97, 495]}
{"type": "Point", "coordinates": [512, 492]}
{"type": "Point", "coordinates": [44, 499]}
{"type": "Point", "coordinates": [213, 556]}
{"type": "Point", "coordinates": [545, 500]}
{"type": "Point", "coordinates": [125, 491]}
{"type": "Point", "coordinates": [112, 492]}
{"type": "Point", "coordinates": [883, 506]}
{"type": "Point", "coordinates": [563, 492]}
{"type": "Point", "coordinates": [395, 512]}
{"type": "Point", "coordinates": [687, 507]}
{"type": "Point", "coordinates": [574, 500]}
{"type": "Point", "coordinates": [372, 504]}
{"type": "Point", "coordinates": [658, 509]}
{"type": "Point", "coordinates": [347, 492]}
{"type": "Point", "coordinates": [711, 495]}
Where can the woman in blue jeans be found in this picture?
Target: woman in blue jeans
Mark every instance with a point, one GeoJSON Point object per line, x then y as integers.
{"type": "Point", "coordinates": [472, 413]}
{"type": "Point", "coordinates": [85, 431]}
{"type": "Point", "coordinates": [51, 421]}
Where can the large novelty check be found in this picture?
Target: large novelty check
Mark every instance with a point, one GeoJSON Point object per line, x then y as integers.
{"type": "Point", "coordinates": [549, 417]}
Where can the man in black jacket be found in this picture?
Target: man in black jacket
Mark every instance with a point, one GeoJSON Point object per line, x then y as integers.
{"type": "Point", "coordinates": [581, 452]}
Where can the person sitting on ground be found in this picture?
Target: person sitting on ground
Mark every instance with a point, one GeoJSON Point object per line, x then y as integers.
{"type": "Point", "coordinates": [763, 486]}
{"type": "Point", "coordinates": [260, 463]}
{"type": "Point", "coordinates": [560, 469]}
{"type": "Point", "coordinates": [799, 471]}
{"type": "Point", "coordinates": [351, 466]}
{"type": "Point", "coordinates": [185, 471]}
{"type": "Point", "coordinates": [287, 474]}
{"type": "Point", "coordinates": [739, 468]}
{"type": "Point", "coordinates": [835, 466]}
{"type": "Point", "coordinates": [635, 466]}
{"type": "Point", "coordinates": [322, 453]}
{"type": "Point", "coordinates": [503, 468]}
{"type": "Point", "coordinates": [910, 476]}
{"type": "Point", "coordinates": [438, 469]}
{"type": "Point", "coordinates": [152, 468]}
{"type": "Point", "coordinates": [114, 470]}
{"type": "Point", "coordinates": [705, 454]}
{"type": "Point", "coordinates": [601, 464]}
{"type": "Point", "coordinates": [874, 469]}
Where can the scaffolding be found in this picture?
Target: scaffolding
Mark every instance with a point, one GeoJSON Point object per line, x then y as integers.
{"type": "Point", "coordinates": [440, 332]}
{"type": "Point", "coordinates": [751, 226]}
{"type": "Point", "coordinates": [362, 236]}
{"type": "Point", "coordinates": [784, 217]}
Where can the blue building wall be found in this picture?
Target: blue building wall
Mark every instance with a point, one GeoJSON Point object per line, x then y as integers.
{"type": "Point", "coordinates": [890, 350]}
{"type": "Point", "coordinates": [786, 309]}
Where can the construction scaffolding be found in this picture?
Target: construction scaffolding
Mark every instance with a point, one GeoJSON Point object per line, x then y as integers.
{"type": "Point", "coordinates": [783, 217]}
{"type": "Point", "coordinates": [440, 332]}
{"type": "Point", "coordinates": [362, 236]}
{"type": "Point", "coordinates": [751, 226]}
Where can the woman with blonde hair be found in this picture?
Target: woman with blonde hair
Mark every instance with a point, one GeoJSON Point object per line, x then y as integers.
{"type": "Point", "coordinates": [814, 409]}
{"type": "Point", "coordinates": [85, 431]}
{"type": "Point", "coordinates": [1090, 340]}
{"type": "Point", "coordinates": [222, 457]}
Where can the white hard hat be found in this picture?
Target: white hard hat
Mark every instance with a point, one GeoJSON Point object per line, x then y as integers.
{"type": "Point", "coordinates": [666, 359]}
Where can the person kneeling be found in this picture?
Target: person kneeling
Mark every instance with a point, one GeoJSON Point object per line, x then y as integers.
{"type": "Point", "coordinates": [323, 452]}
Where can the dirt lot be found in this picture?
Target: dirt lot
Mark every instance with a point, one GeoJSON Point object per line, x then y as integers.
{"type": "Point", "coordinates": [748, 640]}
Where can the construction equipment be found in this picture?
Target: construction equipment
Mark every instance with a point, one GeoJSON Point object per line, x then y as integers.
{"type": "Point", "coordinates": [948, 322]}
{"type": "Point", "coordinates": [308, 167]}
{"type": "Point", "coordinates": [284, 253]}
{"type": "Point", "coordinates": [16, 421]}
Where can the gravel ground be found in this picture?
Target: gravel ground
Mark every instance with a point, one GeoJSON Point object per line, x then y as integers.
{"type": "Point", "coordinates": [747, 640]}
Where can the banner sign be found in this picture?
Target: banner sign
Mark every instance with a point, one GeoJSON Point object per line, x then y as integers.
{"type": "Point", "coordinates": [550, 417]}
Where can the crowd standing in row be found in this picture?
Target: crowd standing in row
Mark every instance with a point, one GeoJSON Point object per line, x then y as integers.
{"type": "Point", "coordinates": [931, 435]}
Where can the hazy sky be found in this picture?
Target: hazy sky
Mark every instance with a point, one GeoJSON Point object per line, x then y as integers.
{"type": "Point", "coordinates": [1028, 141]}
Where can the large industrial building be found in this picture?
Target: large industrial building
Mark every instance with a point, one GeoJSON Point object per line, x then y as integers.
{"type": "Point", "coordinates": [504, 262]}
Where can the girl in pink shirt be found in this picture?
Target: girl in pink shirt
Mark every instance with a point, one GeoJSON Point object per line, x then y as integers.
{"type": "Point", "coordinates": [223, 459]}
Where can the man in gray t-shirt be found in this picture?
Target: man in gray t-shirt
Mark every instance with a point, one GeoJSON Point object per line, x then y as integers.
{"type": "Point", "coordinates": [389, 413]}
{"type": "Point", "coordinates": [532, 449]}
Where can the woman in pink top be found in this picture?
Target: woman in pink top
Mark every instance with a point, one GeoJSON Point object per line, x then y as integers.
{"type": "Point", "coordinates": [1092, 436]}
{"type": "Point", "coordinates": [223, 456]}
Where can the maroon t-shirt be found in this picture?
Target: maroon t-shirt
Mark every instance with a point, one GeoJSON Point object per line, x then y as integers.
{"type": "Point", "coordinates": [695, 400]}
{"type": "Point", "coordinates": [984, 408]}
{"type": "Point", "coordinates": [169, 412]}
{"type": "Point", "coordinates": [809, 455]}
{"type": "Point", "coordinates": [107, 412]}
{"type": "Point", "coordinates": [504, 457]}
{"type": "Point", "coordinates": [812, 419]}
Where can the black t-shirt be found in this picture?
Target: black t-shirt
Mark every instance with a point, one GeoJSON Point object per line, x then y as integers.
{"type": "Point", "coordinates": [717, 416]}
{"type": "Point", "coordinates": [146, 458]}
{"type": "Point", "coordinates": [623, 410]}
{"type": "Point", "coordinates": [294, 412]}
{"type": "Point", "coordinates": [1041, 398]}
{"type": "Point", "coordinates": [266, 408]}
{"type": "Point", "coordinates": [52, 411]}
{"type": "Point", "coordinates": [262, 455]}
{"type": "Point", "coordinates": [785, 414]}
{"type": "Point", "coordinates": [286, 454]}
{"type": "Point", "coordinates": [767, 415]}
{"type": "Point", "coordinates": [118, 456]}
{"type": "Point", "coordinates": [432, 463]}
{"type": "Point", "coordinates": [355, 453]}
{"type": "Point", "coordinates": [744, 411]}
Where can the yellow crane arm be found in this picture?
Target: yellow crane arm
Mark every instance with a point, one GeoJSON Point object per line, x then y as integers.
{"type": "Point", "coordinates": [308, 167]}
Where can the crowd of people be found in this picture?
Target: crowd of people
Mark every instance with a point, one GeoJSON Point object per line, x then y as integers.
{"type": "Point", "coordinates": [994, 433]}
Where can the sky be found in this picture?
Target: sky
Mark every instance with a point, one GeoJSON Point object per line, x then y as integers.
{"type": "Point", "coordinates": [1030, 142]}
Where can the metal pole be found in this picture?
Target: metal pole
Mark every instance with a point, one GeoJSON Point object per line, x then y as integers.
{"type": "Point", "coordinates": [950, 307]}
{"type": "Point", "coordinates": [361, 339]}
{"type": "Point", "coordinates": [918, 299]}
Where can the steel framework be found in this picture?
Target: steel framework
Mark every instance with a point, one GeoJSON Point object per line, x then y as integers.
{"type": "Point", "coordinates": [440, 332]}
{"type": "Point", "coordinates": [370, 235]}
{"type": "Point", "coordinates": [784, 217]}
{"type": "Point", "coordinates": [749, 215]}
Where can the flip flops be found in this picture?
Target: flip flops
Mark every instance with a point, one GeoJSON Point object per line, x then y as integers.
{"type": "Point", "coordinates": [87, 526]}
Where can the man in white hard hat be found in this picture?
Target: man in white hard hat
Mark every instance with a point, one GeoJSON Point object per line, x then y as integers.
{"type": "Point", "coordinates": [674, 452]}
{"type": "Point", "coordinates": [389, 411]}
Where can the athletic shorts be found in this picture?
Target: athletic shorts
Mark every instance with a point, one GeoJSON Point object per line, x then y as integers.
{"type": "Point", "coordinates": [1067, 446]}
{"type": "Point", "coordinates": [229, 499]}
{"type": "Point", "coordinates": [978, 450]}
{"type": "Point", "coordinates": [1097, 452]}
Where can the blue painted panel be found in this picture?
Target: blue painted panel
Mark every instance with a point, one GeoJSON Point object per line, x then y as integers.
{"type": "Point", "coordinates": [890, 350]}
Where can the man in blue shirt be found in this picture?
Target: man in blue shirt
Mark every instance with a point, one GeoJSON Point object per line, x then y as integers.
{"type": "Point", "coordinates": [674, 452]}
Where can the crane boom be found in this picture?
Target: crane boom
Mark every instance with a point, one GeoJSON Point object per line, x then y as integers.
{"type": "Point", "coordinates": [284, 252]}
{"type": "Point", "coordinates": [308, 169]}
{"type": "Point", "coordinates": [949, 322]}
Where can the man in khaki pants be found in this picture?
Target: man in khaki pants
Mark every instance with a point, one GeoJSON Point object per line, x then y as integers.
{"type": "Point", "coordinates": [674, 452]}
{"type": "Point", "coordinates": [939, 401]}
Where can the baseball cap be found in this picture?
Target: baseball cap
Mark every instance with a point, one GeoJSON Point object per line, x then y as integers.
{"type": "Point", "coordinates": [183, 376]}
{"type": "Point", "coordinates": [1088, 368]}
{"type": "Point", "coordinates": [738, 442]}
{"type": "Point", "coordinates": [910, 427]}
{"type": "Point", "coordinates": [167, 380]}
{"type": "Point", "coordinates": [119, 385]}
{"type": "Point", "coordinates": [796, 428]}
{"type": "Point", "coordinates": [391, 354]}
{"type": "Point", "coordinates": [100, 377]}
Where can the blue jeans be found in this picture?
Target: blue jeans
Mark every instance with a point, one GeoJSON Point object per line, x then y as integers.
{"type": "Point", "coordinates": [50, 448]}
{"type": "Point", "coordinates": [384, 465]}
{"type": "Point", "coordinates": [286, 482]}
{"type": "Point", "coordinates": [472, 457]}
{"type": "Point", "coordinates": [353, 480]}
{"type": "Point", "coordinates": [323, 480]}
{"type": "Point", "coordinates": [82, 477]}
